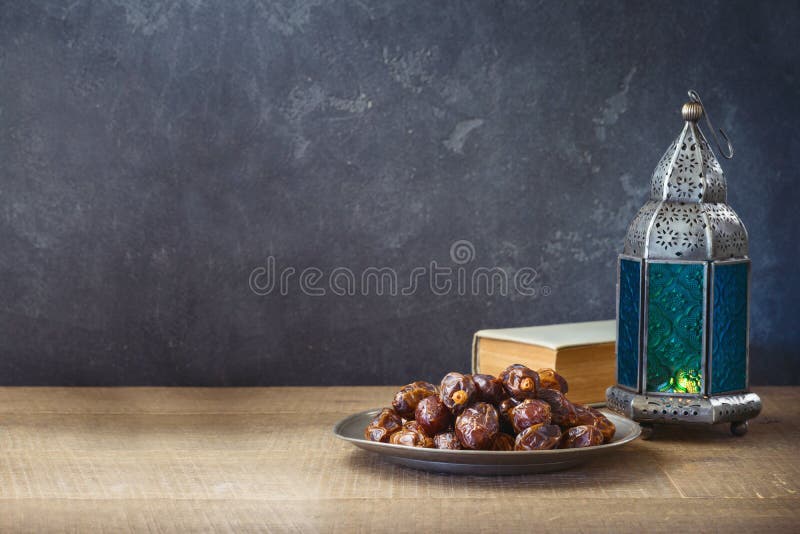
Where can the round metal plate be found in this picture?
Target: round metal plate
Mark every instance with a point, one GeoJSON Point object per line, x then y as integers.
{"type": "Point", "coordinates": [351, 429]}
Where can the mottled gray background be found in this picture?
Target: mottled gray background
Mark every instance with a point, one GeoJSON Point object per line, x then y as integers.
{"type": "Point", "coordinates": [153, 154]}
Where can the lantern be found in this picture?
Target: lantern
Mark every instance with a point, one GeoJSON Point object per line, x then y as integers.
{"type": "Point", "coordinates": [683, 295]}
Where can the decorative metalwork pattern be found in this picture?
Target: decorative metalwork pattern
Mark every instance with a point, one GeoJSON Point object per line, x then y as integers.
{"type": "Point", "coordinates": [675, 409]}
{"type": "Point", "coordinates": [678, 232]}
{"type": "Point", "coordinates": [686, 217]}
{"type": "Point", "coordinates": [675, 316]}
{"type": "Point", "coordinates": [630, 281]}
{"type": "Point", "coordinates": [685, 181]}
{"type": "Point", "coordinates": [729, 335]}
{"type": "Point", "coordinates": [716, 187]}
{"type": "Point", "coordinates": [662, 171]}
{"type": "Point", "coordinates": [637, 232]}
{"type": "Point", "coordinates": [727, 232]}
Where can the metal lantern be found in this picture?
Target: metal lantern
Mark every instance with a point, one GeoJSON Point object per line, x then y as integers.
{"type": "Point", "coordinates": [683, 295]}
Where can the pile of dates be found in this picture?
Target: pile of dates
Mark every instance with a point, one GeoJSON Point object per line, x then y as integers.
{"type": "Point", "coordinates": [521, 409]}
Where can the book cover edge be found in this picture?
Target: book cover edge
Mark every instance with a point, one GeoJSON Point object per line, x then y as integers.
{"type": "Point", "coordinates": [497, 333]}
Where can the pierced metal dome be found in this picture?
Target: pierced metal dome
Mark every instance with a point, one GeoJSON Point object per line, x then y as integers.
{"type": "Point", "coordinates": [687, 216]}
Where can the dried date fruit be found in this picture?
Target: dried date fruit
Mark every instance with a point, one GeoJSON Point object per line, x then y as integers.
{"type": "Point", "coordinates": [406, 400]}
{"type": "Point", "coordinates": [563, 411]}
{"type": "Point", "coordinates": [386, 423]}
{"type": "Point", "coordinates": [457, 391]}
{"type": "Point", "coordinates": [505, 407]}
{"type": "Point", "coordinates": [483, 412]}
{"type": "Point", "coordinates": [477, 426]}
{"type": "Point", "coordinates": [520, 382]}
{"type": "Point", "coordinates": [584, 415]}
{"type": "Point", "coordinates": [504, 412]}
{"type": "Point", "coordinates": [590, 416]}
{"type": "Point", "coordinates": [502, 442]}
{"type": "Point", "coordinates": [605, 426]}
{"type": "Point", "coordinates": [538, 438]}
{"type": "Point", "coordinates": [489, 389]}
{"type": "Point", "coordinates": [581, 436]}
{"type": "Point", "coordinates": [411, 435]}
{"type": "Point", "coordinates": [549, 379]}
{"type": "Point", "coordinates": [447, 440]}
{"type": "Point", "coordinates": [528, 413]}
{"type": "Point", "coordinates": [432, 415]}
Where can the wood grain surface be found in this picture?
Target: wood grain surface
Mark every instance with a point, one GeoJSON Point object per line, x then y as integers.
{"type": "Point", "coordinates": [265, 460]}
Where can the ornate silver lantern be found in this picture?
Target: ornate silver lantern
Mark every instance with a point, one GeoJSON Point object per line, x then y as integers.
{"type": "Point", "coordinates": [683, 295]}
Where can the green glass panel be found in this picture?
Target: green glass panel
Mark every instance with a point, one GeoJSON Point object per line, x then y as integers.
{"type": "Point", "coordinates": [675, 316]}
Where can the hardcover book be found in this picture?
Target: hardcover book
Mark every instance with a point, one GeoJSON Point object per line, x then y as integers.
{"type": "Point", "coordinates": [584, 353]}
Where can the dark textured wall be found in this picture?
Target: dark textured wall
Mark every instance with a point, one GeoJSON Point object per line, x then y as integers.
{"type": "Point", "coordinates": [154, 154]}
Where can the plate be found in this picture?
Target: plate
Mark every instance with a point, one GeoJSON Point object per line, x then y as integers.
{"type": "Point", "coordinates": [351, 429]}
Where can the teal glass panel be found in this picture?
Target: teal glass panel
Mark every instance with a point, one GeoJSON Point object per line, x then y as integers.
{"type": "Point", "coordinates": [675, 316]}
{"type": "Point", "coordinates": [729, 336]}
{"type": "Point", "coordinates": [630, 278]}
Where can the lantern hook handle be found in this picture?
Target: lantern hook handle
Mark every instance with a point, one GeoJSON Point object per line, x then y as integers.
{"type": "Point", "coordinates": [694, 97]}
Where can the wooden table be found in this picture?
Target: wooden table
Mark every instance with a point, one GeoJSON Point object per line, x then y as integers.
{"type": "Point", "coordinates": [234, 460]}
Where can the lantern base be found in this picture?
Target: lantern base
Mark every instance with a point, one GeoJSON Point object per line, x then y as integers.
{"type": "Point", "coordinates": [682, 409]}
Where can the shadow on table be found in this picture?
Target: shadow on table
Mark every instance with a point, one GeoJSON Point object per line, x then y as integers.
{"type": "Point", "coordinates": [712, 434]}
{"type": "Point", "coordinates": [617, 469]}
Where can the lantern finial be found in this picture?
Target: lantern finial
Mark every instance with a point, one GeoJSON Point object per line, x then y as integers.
{"type": "Point", "coordinates": [692, 111]}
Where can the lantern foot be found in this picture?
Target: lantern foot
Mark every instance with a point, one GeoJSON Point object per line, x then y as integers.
{"type": "Point", "coordinates": [647, 431]}
{"type": "Point", "coordinates": [739, 428]}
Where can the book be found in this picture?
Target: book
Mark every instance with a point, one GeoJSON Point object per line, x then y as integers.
{"type": "Point", "coordinates": [583, 353]}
